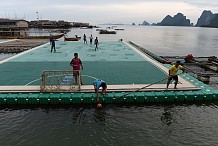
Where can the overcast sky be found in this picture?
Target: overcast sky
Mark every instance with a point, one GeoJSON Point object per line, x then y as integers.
{"type": "Point", "coordinates": [105, 11]}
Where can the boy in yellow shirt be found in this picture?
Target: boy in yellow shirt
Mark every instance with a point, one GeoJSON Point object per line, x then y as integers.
{"type": "Point", "coordinates": [173, 73]}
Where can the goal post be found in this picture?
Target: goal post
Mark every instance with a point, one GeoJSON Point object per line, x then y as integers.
{"type": "Point", "coordinates": [60, 81]}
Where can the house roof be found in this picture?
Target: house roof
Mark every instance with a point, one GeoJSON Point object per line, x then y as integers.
{"type": "Point", "coordinates": [11, 20]}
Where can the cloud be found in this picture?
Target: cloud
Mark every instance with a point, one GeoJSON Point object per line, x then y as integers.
{"type": "Point", "coordinates": [203, 3]}
{"type": "Point", "coordinates": [100, 11]}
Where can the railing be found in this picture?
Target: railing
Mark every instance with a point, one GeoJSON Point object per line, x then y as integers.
{"type": "Point", "coordinates": [60, 81]}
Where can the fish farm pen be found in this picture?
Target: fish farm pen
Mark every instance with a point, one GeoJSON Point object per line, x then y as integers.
{"type": "Point", "coordinates": [133, 75]}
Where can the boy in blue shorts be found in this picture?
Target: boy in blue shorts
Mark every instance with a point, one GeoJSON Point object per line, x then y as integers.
{"type": "Point", "coordinates": [97, 84]}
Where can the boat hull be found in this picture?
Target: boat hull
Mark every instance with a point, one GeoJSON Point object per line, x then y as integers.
{"type": "Point", "coordinates": [107, 32]}
{"type": "Point", "coordinates": [42, 37]}
{"type": "Point", "coordinates": [72, 39]}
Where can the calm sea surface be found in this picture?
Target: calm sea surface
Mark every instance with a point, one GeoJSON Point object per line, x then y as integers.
{"type": "Point", "coordinates": [195, 124]}
{"type": "Point", "coordinates": [164, 41]}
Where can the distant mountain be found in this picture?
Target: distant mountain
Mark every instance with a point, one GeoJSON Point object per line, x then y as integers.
{"type": "Point", "coordinates": [214, 21]}
{"type": "Point", "coordinates": [145, 23]}
{"type": "Point", "coordinates": [178, 20]}
{"type": "Point", "coordinates": [167, 21]}
{"type": "Point", "coordinates": [205, 18]}
{"type": "Point", "coordinates": [153, 24]}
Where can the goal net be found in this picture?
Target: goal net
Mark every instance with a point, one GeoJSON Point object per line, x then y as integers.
{"type": "Point", "coordinates": [60, 80]}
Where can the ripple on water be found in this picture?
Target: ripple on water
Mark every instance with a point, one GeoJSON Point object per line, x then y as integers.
{"type": "Point", "coordinates": [111, 125]}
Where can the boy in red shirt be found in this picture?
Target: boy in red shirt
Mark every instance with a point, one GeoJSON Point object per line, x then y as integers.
{"type": "Point", "coordinates": [76, 63]}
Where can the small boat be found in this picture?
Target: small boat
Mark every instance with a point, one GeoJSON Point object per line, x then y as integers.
{"type": "Point", "coordinates": [102, 31]}
{"type": "Point", "coordinates": [87, 27]}
{"type": "Point", "coordinates": [72, 39]}
{"type": "Point", "coordinates": [42, 37]}
{"type": "Point", "coordinates": [57, 36]}
{"type": "Point", "coordinates": [119, 29]}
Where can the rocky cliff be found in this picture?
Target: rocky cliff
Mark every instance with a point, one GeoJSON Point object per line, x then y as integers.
{"type": "Point", "coordinates": [214, 21]}
{"type": "Point", "coordinates": [177, 20]}
{"type": "Point", "coordinates": [145, 23]}
{"type": "Point", "coordinates": [205, 18]}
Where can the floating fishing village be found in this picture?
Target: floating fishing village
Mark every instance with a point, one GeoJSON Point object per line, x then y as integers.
{"type": "Point", "coordinates": [134, 75]}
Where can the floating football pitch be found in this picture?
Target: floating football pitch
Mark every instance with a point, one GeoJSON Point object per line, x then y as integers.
{"type": "Point", "coordinates": [115, 62]}
{"type": "Point", "coordinates": [123, 67]}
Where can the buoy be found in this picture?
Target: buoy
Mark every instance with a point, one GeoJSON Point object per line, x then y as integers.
{"type": "Point", "coordinates": [99, 105]}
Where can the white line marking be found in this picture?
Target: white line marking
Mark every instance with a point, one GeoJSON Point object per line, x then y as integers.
{"type": "Point", "coordinates": [22, 53]}
{"type": "Point", "coordinates": [160, 66]}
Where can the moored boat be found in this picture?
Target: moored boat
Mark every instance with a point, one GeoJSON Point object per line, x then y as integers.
{"type": "Point", "coordinates": [42, 37]}
{"type": "Point", "coordinates": [102, 31]}
{"type": "Point", "coordinates": [119, 29]}
{"type": "Point", "coordinates": [72, 39]}
{"type": "Point", "coordinates": [57, 36]}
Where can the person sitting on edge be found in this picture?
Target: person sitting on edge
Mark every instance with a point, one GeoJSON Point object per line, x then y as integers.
{"type": "Point", "coordinates": [97, 84]}
{"type": "Point", "coordinates": [76, 63]}
{"type": "Point", "coordinates": [173, 73]}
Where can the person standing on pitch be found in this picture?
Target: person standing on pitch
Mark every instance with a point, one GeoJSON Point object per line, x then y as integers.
{"type": "Point", "coordinates": [50, 38]}
{"type": "Point", "coordinates": [91, 38]}
{"type": "Point", "coordinates": [84, 39]}
{"type": "Point", "coordinates": [173, 73]}
{"type": "Point", "coordinates": [76, 63]}
{"type": "Point", "coordinates": [53, 45]}
{"type": "Point", "coordinates": [96, 43]}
